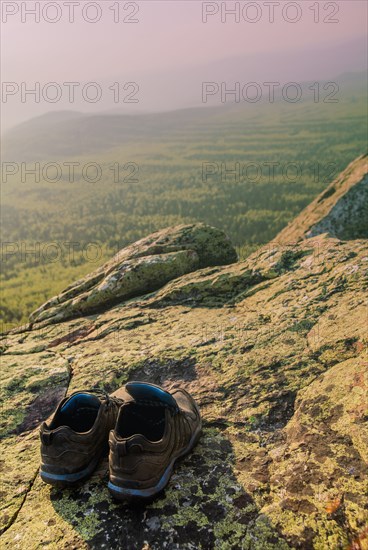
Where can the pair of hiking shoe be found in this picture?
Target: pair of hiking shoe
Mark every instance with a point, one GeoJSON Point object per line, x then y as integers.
{"type": "Point", "coordinates": [146, 428]}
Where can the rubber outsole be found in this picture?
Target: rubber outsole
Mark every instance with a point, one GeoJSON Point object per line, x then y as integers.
{"type": "Point", "coordinates": [124, 493]}
{"type": "Point", "coordinates": [65, 480]}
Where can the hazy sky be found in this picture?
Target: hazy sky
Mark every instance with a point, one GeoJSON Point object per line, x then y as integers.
{"type": "Point", "coordinates": [168, 36]}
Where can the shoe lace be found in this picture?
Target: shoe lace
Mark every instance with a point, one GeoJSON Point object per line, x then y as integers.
{"type": "Point", "coordinates": [113, 401]}
{"type": "Point", "coordinates": [110, 400]}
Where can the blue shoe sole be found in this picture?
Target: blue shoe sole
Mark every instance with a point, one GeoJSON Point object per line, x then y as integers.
{"type": "Point", "coordinates": [124, 493]}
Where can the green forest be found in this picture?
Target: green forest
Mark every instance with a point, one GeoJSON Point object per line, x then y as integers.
{"type": "Point", "coordinates": [247, 169]}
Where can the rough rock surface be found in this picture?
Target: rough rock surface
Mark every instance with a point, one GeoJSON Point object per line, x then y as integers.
{"type": "Point", "coordinates": [275, 351]}
{"type": "Point", "coordinates": [140, 268]}
{"type": "Point", "coordinates": [341, 210]}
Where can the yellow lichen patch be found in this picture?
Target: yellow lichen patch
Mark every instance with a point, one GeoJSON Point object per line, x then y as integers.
{"type": "Point", "coordinates": [38, 523]}
{"type": "Point", "coordinates": [325, 443]}
{"type": "Point", "coordinates": [18, 468]}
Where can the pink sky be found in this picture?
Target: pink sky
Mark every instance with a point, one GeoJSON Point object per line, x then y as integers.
{"type": "Point", "coordinates": [170, 34]}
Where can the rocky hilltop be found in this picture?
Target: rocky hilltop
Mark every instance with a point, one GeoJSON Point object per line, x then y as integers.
{"type": "Point", "coordinates": [274, 349]}
{"type": "Point", "coordinates": [341, 210]}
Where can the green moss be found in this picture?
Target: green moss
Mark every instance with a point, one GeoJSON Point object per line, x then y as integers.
{"type": "Point", "coordinates": [289, 258]}
{"type": "Point", "coordinates": [303, 326]}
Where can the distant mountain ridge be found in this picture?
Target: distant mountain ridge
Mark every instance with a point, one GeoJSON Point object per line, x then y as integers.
{"type": "Point", "coordinates": [180, 87]}
{"type": "Point", "coordinates": [56, 135]}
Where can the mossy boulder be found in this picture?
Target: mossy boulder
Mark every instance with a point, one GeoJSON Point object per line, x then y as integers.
{"type": "Point", "coordinates": [140, 268]}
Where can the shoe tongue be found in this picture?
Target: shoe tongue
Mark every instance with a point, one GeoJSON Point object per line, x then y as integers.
{"type": "Point", "coordinates": [144, 393]}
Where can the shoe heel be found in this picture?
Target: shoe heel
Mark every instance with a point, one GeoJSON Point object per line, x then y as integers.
{"type": "Point", "coordinates": [67, 480]}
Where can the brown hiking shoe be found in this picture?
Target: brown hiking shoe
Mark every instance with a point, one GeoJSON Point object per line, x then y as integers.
{"type": "Point", "coordinates": [77, 435]}
{"type": "Point", "coordinates": [154, 428]}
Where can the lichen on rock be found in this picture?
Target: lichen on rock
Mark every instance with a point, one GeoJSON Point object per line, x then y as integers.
{"type": "Point", "coordinates": [140, 268]}
{"type": "Point", "coordinates": [274, 349]}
